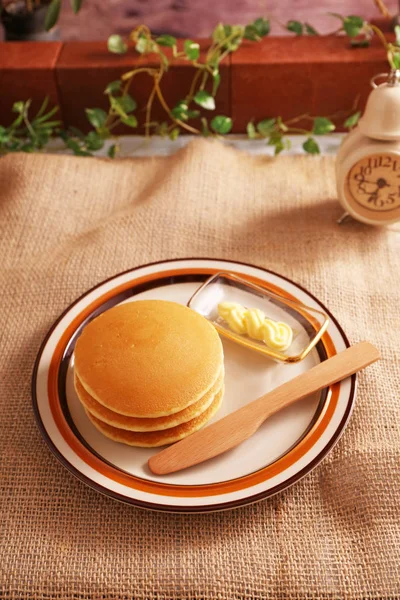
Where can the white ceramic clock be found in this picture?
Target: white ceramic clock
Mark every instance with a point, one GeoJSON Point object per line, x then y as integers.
{"type": "Point", "coordinates": [368, 162]}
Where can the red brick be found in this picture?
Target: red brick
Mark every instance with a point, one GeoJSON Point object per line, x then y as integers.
{"type": "Point", "coordinates": [289, 77]}
{"type": "Point", "coordinates": [27, 71]}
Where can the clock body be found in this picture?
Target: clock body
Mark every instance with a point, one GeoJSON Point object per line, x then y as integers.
{"type": "Point", "coordinates": [368, 178]}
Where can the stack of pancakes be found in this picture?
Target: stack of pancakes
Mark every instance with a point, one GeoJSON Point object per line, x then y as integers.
{"type": "Point", "coordinates": [149, 372]}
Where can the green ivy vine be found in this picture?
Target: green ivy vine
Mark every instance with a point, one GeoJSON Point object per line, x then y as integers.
{"type": "Point", "coordinates": [28, 134]}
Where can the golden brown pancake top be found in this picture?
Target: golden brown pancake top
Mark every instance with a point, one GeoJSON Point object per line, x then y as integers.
{"type": "Point", "coordinates": [148, 358]}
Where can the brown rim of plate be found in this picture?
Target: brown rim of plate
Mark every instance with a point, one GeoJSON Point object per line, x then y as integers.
{"type": "Point", "coordinates": [183, 508]}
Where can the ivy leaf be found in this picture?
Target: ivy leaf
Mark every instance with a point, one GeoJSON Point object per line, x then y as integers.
{"type": "Point", "coordinates": [275, 137]}
{"type": "Point", "coordinates": [93, 141]}
{"type": "Point", "coordinates": [113, 87]}
{"type": "Point", "coordinates": [193, 114]}
{"type": "Point", "coordinates": [116, 44]}
{"type": "Point", "coordinates": [218, 35]}
{"type": "Point", "coordinates": [295, 26]}
{"type": "Point", "coordinates": [221, 32]}
{"type": "Point", "coordinates": [96, 116]}
{"type": "Point", "coordinates": [310, 30]}
{"type": "Point", "coordinates": [142, 45]}
{"type": "Point", "coordinates": [123, 104]}
{"type": "Point", "coordinates": [52, 14]}
{"type": "Point", "coordinates": [266, 126]}
{"type": "Point", "coordinates": [174, 133]}
{"type": "Point", "coordinates": [311, 146]}
{"type": "Point", "coordinates": [216, 81]}
{"type": "Point", "coordinates": [166, 40]}
{"type": "Point", "coordinates": [251, 130]}
{"type": "Point", "coordinates": [262, 26]}
{"type": "Point", "coordinates": [353, 25]}
{"type": "Point", "coordinates": [396, 60]}
{"type": "Point", "coordinates": [221, 124]}
{"type": "Point", "coordinates": [127, 102]}
{"type": "Point", "coordinates": [204, 99]}
{"type": "Point", "coordinates": [352, 120]}
{"type": "Point", "coordinates": [130, 120]}
{"type": "Point", "coordinates": [192, 49]}
{"type": "Point", "coordinates": [180, 111]}
{"type": "Point", "coordinates": [322, 125]}
{"type": "Point", "coordinates": [235, 34]}
{"type": "Point", "coordinates": [73, 145]}
{"type": "Point", "coordinates": [279, 147]}
{"type": "Point", "coordinates": [251, 33]}
{"type": "Point", "coordinates": [397, 33]}
{"type": "Point", "coordinates": [76, 5]}
{"type": "Point", "coordinates": [111, 151]}
{"type": "Point", "coordinates": [19, 107]}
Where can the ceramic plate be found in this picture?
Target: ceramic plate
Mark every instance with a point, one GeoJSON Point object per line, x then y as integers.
{"type": "Point", "coordinates": [284, 449]}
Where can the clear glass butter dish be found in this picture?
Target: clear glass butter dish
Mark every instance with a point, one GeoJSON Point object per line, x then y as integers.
{"type": "Point", "coordinates": [307, 324]}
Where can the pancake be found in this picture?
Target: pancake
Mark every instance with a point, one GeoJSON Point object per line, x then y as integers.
{"type": "Point", "coordinates": [142, 424]}
{"type": "Point", "coordinates": [148, 358]}
{"type": "Point", "coordinates": [152, 439]}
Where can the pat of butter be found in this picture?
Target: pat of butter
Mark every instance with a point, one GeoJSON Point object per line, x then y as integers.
{"type": "Point", "coordinates": [253, 322]}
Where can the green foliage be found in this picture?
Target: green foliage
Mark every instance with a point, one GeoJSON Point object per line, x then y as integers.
{"type": "Point", "coordinates": [166, 40]}
{"type": "Point", "coordinates": [114, 87]}
{"type": "Point", "coordinates": [310, 30]}
{"type": "Point", "coordinates": [76, 5]}
{"type": "Point", "coordinates": [322, 125]}
{"type": "Point", "coordinates": [257, 30]}
{"type": "Point", "coordinates": [266, 126]}
{"type": "Point", "coordinates": [221, 124]}
{"type": "Point", "coordinates": [295, 26]}
{"type": "Point", "coordinates": [52, 14]}
{"type": "Point", "coordinates": [301, 28]}
{"type": "Point", "coordinates": [396, 60]}
{"type": "Point", "coordinates": [116, 44]}
{"type": "Point", "coordinates": [251, 130]}
{"type": "Point", "coordinates": [111, 151]}
{"type": "Point", "coordinates": [188, 113]}
{"type": "Point", "coordinates": [204, 99]}
{"type": "Point", "coordinates": [311, 146]}
{"type": "Point", "coordinates": [192, 49]}
{"type": "Point", "coordinates": [26, 135]}
{"type": "Point", "coordinates": [397, 34]}
{"type": "Point", "coordinates": [352, 120]}
{"type": "Point", "coordinates": [182, 112]}
{"type": "Point", "coordinates": [97, 117]}
{"type": "Point", "coordinates": [353, 25]}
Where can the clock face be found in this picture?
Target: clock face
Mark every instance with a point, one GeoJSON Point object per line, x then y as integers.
{"type": "Point", "coordinates": [373, 186]}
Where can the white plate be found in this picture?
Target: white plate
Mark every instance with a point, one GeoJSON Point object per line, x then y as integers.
{"type": "Point", "coordinates": [284, 449]}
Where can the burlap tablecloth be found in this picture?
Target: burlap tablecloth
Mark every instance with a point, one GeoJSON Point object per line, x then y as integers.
{"type": "Point", "coordinates": [68, 223]}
